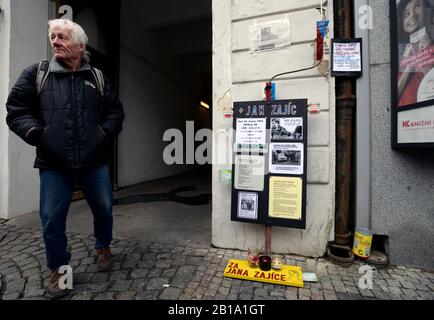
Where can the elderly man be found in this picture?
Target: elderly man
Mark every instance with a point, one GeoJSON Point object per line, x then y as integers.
{"type": "Point", "coordinates": [68, 110]}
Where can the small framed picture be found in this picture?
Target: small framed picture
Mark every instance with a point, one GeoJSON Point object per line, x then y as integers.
{"type": "Point", "coordinates": [248, 205]}
{"type": "Point", "coordinates": [347, 57]}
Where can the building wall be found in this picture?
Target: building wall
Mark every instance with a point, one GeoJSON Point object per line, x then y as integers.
{"type": "Point", "coordinates": [402, 186]}
{"type": "Point", "coordinates": [5, 24]}
{"type": "Point", "coordinates": [152, 97]}
{"type": "Point", "coordinates": [240, 76]}
{"type": "Point", "coordinates": [28, 45]}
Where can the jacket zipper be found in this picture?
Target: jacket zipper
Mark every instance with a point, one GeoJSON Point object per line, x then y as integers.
{"type": "Point", "coordinates": [75, 125]}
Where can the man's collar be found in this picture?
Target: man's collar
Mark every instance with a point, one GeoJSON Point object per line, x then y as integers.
{"type": "Point", "coordinates": [56, 67]}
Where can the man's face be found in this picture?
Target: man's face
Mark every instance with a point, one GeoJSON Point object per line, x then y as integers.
{"type": "Point", "coordinates": [413, 16]}
{"type": "Point", "coordinates": [63, 45]}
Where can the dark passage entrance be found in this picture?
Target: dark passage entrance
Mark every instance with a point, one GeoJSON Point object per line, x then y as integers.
{"type": "Point", "coordinates": [158, 56]}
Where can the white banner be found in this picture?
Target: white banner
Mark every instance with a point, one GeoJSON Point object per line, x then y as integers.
{"type": "Point", "coordinates": [416, 126]}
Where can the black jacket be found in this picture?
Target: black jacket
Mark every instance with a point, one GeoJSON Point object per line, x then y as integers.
{"type": "Point", "coordinates": [69, 122]}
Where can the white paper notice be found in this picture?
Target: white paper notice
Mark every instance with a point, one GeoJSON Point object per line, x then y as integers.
{"type": "Point", "coordinates": [286, 158]}
{"type": "Point", "coordinates": [347, 57]}
{"type": "Point", "coordinates": [249, 172]}
{"type": "Point", "coordinates": [270, 35]}
{"type": "Point", "coordinates": [251, 131]}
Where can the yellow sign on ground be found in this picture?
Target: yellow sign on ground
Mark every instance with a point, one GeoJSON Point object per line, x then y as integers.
{"type": "Point", "coordinates": [287, 276]}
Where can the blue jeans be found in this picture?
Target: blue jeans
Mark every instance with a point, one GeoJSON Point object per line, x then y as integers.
{"type": "Point", "coordinates": [56, 191]}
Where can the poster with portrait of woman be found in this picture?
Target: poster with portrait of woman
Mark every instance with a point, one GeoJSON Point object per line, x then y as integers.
{"type": "Point", "coordinates": [412, 39]}
{"type": "Point", "coordinates": [415, 78]}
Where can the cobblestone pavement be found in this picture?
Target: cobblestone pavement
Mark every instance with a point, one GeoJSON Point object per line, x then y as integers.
{"type": "Point", "coordinates": [156, 271]}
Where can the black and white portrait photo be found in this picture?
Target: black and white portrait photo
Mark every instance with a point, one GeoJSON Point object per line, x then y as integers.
{"type": "Point", "coordinates": [287, 129]}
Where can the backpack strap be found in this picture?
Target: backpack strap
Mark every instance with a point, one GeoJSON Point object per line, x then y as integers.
{"type": "Point", "coordinates": [99, 78]}
{"type": "Point", "coordinates": [42, 75]}
{"type": "Point", "coordinates": [44, 70]}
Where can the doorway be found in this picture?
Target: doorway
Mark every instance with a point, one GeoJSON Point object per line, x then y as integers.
{"type": "Point", "coordinates": [101, 24]}
{"type": "Point", "coordinates": [158, 57]}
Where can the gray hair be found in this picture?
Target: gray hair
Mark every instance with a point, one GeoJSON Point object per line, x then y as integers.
{"type": "Point", "coordinates": [77, 32]}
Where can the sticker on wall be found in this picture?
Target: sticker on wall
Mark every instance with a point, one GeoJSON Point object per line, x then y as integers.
{"type": "Point", "coordinates": [248, 205]}
{"type": "Point", "coordinates": [225, 176]}
{"type": "Point", "coordinates": [323, 29]}
{"type": "Point", "coordinates": [224, 105]}
{"type": "Point", "coordinates": [271, 35]}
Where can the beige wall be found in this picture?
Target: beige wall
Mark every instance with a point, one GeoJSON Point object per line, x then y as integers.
{"type": "Point", "coordinates": [5, 24]}
{"type": "Point", "coordinates": [240, 76]}
{"type": "Point", "coordinates": [27, 44]}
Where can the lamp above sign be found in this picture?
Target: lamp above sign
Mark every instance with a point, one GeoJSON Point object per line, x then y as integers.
{"type": "Point", "coordinates": [347, 57]}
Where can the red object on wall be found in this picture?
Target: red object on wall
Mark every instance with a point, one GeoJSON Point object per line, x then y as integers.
{"type": "Point", "coordinates": [319, 45]}
{"type": "Point", "coordinates": [268, 91]}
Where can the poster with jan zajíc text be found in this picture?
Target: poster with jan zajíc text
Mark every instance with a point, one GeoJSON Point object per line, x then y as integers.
{"type": "Point", "coordinates": [285, 200]}
{"type": "Point", "coordinates": [270, 140]}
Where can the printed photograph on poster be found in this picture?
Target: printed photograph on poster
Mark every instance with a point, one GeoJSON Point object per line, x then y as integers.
{"type": "Point", "coordinates": [286, 158]}
{"type": "Point", "coordinates": [286, 129]}
{"type": "Point", "coordinates": [285, 198]}
{"type": "Point", "coordinates": [249, 172]}
{"type": "Point", "coordinates": [250, 132]}
{"type": "Point", "coordinates": [248, 205]}
{"type": "Point", "coordinates": [415, 38]}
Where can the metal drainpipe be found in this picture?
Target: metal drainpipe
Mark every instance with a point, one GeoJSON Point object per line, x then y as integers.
{"type": "Point", "coordinates": [345, 106]}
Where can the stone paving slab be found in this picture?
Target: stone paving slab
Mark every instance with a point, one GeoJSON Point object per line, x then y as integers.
{"type": "Point", "coordinates": [155, 271]}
